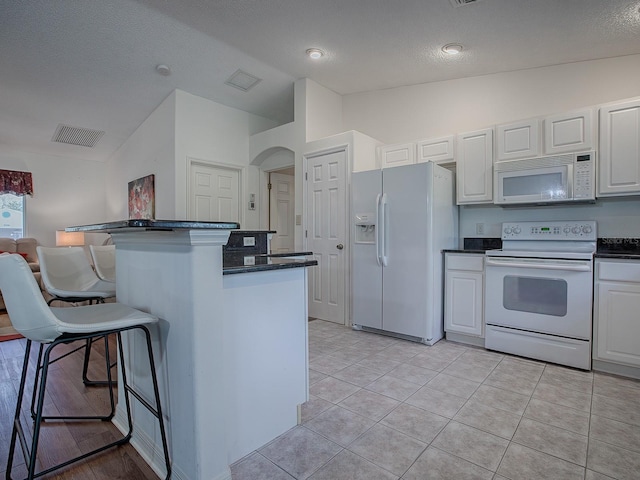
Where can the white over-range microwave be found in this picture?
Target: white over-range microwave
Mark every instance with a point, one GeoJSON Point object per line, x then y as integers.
{"type": "Point", "coordinates": [544, 180]}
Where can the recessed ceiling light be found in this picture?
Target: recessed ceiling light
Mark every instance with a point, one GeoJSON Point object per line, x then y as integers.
{"type": "Point", "coordinates": [452, 48]}
{"type": "Point", "coordinates": [315, 53]}
{"type": "Point", "coordinates": [163, 70]}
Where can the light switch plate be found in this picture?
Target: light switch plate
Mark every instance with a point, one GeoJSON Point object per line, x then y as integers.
{"type": "Point", "coordinates": [249, 241]}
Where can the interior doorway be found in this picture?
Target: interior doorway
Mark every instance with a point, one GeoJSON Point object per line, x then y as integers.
{"type": "Point", "coordinates": [214, 192]}
{"type": "Point", "coordinates": [281, 219]}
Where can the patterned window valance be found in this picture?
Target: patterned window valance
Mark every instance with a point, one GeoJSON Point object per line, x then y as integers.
{"type": "Point", "coordinates": [17, 183]}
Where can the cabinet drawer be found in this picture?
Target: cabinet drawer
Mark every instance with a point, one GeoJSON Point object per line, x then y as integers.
{"type": "Point", "coordinates": [474, 263]}
{"type": "Point", "coordinates": [628, 271]}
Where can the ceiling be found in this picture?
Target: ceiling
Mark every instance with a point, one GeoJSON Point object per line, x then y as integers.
{"type": "Point", "coordinates": [91, 64]}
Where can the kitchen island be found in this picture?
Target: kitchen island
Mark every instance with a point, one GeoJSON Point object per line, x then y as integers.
{"type": "Point", "coordinates": [231, 346]}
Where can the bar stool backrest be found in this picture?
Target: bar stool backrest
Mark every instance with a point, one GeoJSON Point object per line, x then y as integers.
{"type": "Point", "coordinates": [104, 261]}
{"type": "Point", "coordinates": [26, 306]}
{"type": "Point", "coordinates": [65, 270]}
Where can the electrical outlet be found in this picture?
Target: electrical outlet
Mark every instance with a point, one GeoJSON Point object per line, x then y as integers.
{"type": "Point", "coordinates": [480, 228]}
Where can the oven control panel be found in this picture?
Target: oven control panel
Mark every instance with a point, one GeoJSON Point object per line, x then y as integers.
{"type": "Point", "coordinates": [580, 230]}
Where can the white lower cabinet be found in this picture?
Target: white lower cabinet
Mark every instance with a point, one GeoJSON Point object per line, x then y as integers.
{"type": "Point", "coordinates": [464, 294]}
{"type": "Point", "coordinates": [617, 312]}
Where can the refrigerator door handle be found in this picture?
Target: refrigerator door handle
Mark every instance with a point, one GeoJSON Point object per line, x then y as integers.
{"type": "Point", "coordinates": [378, 226]}
{"type": "Point", "coordinates": [384, 234]}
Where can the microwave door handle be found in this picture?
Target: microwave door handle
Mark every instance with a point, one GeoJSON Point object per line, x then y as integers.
{"type": "Point", "coordinates": [570, 181]}
{"type": "Point", "coordinates": [545, 266]}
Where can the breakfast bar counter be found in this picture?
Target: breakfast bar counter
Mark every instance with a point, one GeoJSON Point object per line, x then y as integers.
{"type": "Point", "coordinates": [231, 349]}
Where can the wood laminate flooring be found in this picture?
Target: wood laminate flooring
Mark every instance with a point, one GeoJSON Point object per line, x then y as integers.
{"type": "Point", "coordinates": [60, 441]}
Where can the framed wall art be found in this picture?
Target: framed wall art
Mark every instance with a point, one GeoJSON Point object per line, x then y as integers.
{"type": "Point", "coordinates": [142, 201]}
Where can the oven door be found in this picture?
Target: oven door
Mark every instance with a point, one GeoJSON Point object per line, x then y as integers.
{"type": "Point", "coordinates": [551, 296]}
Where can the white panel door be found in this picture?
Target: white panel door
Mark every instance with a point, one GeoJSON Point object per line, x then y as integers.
{"type": "Point", "coordinates": [617, 322]}
{"type": "Point", "coordinates": [619, 162]}
{"type": "Point", "coordinates": [568, 132]}
{"type": "Point", "coordinates": [326, 235]}
{"type": "Point", "coordinates": [464, 294]}
{"type": "Point", "coordinates": [474, 167]}
{"type": "Point", "coordinates": [396, 155]}
{"type": "Point", "coordinates": [282, 212]}
{"type": "Point", "coordinates": [517, 140]}
{"type": "Point", "coordinates": [437, 150]}
{"type": "Point", "coordinates": [215, 194]}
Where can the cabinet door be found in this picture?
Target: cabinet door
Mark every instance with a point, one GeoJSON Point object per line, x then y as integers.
{"type": "Point", "coordinates": [569, 132]}
{"type": "Point", "coordinates": [619, 162]}
{"type": "Point", "coordinates": [463, 311]}
{"type": "Point", "coordinates": [437, 150]}
{"type": "Point", "coordinates": [618, 323]}
{"type": "Point", "coordinates": [517, 140]}
{"type": "Point", "coordinates": [396, 155]}
{"type": "Point", "coordinates": [474, 167]}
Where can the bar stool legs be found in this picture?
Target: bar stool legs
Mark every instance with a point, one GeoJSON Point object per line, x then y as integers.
{"type": "Point", "coordinates": [30, 449]}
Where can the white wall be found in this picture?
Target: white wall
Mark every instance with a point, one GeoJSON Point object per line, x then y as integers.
{"type": "Point", "coordinates": [318, 113]}
{"type": "Point", "coordinates": [323, 111]}
{"type": "Point", "coordinates": [150, 150]}
{"type": "Point", "coordinates": [616, 217]}
{"type": "Point", "coordinates": [183, 127]}
{"type": "Point", "coordinates": [444, 108]}
{"type": "Point", "coordinates": [210, 132]}
{"type": "Point", "coordinates": [67, 192]}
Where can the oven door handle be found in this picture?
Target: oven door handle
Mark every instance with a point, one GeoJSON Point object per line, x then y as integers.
{"type": "Point", "coordinates": [568, 267]}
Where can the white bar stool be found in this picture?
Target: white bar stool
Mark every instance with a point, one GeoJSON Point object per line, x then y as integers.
{"type": "Point", "coordinates": [34, 319]}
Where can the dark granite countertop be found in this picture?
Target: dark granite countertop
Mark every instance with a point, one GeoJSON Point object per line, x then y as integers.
{"type": "Point", "coordinates": [152, 224]}
{"type": "Point", "coordinates": [463, 250]}
{"type": "Point", "coordinates": [621, 248]}
{"type": "Point", "coordinates": [236, 262]}
{"type": "Point", "coordinates": [476, 245]}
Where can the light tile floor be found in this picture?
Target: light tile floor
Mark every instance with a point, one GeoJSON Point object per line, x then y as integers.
{"type": "Point", "coordinates": [383, 408]}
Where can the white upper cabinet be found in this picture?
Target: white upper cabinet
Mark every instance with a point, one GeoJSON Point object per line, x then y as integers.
{"type": "Point", "coordinates": [396, 155]}
{"type": "Point", "coordinates": [619, 162]}
{"type": "Point", "coordinates": [518, 140]}
{"type": "Point", "coordinates": [474, 167]}
{"type": "Point", "coordinates": [437, 150]}
{"type": "Point", "coordinates": [569, 132]}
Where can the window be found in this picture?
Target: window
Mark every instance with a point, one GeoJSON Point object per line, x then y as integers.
{"type": "Point", "coordinates": [11, 216]}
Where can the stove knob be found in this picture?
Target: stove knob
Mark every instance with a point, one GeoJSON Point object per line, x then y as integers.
{"type": "Point", "coordinates": [576, 229]}
{"type": "Point", "coordinates": [587, 228]}
{"type": "Point", "coordinates": [567, 229]}
{"type": "Point", "coordinates": [517, 230]}
{"type": "Point", "coordinates": [507, 230]}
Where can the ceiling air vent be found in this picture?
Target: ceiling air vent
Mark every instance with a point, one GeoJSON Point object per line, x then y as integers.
{"type": "Point", "coordinates": [461, 3]}
{"type": "Point", "coordinates": [83, 137]}
{"type": "Point", "coordinates": [243, 81]}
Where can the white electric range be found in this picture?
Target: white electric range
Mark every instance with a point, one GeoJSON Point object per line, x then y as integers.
{"type": "Point", "coordinates": [539, 291]}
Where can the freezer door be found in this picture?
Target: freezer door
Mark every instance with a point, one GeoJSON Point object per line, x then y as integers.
{"type": "Point", "coordinates": [366, 272]}
{"type": "Point", "coordinates": [404, 299]}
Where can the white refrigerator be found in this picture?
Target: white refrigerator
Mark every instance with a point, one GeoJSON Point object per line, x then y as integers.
{"type": "Point", "coordinates": [403, 217]}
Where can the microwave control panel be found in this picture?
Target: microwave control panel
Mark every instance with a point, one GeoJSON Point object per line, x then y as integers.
{"type": "Point", "coordinates": [579, 230]}
{"type": "Point", "coordinates": [584, 175]}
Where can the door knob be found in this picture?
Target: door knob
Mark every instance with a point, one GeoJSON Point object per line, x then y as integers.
{"type": "Point", "coordinates": [340, 246]}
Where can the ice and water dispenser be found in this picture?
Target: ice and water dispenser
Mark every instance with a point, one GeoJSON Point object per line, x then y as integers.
{"type": "Point", "coordinates": [365, 228]}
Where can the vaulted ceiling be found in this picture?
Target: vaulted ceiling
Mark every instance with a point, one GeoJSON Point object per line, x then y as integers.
{"type": "Point", "coordinates": [92, 63]}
